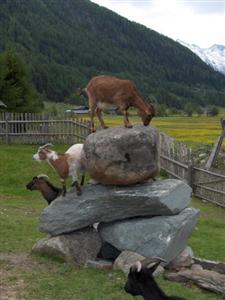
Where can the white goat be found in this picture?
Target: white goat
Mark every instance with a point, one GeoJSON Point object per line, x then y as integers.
{"type": "Point", "coordinates": [67, 164]}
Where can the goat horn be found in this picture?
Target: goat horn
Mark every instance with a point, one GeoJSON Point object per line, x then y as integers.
{"type": "Point", "coordinates": [46, 146]}
{"type": "Point", "coordinates": [42, 176]}
{"type": "Point", "coordinates": [137, 266]}
{"type": "Point", "coordinates": [151, 261]}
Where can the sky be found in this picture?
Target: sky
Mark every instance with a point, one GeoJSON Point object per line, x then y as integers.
{"type": "Point", "coordinates": [199, 22]}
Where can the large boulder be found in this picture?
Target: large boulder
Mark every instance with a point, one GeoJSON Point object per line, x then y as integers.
{"type": "Point", "coordinates": [77, 247]}
{"type": "Point", "coordinates": [128, 258]}
{"type": "Point", "coordinates": [164, 236]}
{"type": "Point", "coordinates": [109, 203]}
{"type": "Point", "coordinates": [122, 156]}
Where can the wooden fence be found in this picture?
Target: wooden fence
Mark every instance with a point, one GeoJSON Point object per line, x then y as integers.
{"type": "Point", "coordinates": [176, 160]}
{"type": "Point", "coordinates": [33, 128]}
{"type": "Point", "coordinates": [175, 157]}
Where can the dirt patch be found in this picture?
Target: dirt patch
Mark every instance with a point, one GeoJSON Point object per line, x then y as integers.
{"type": "Point", "coordinates": [10, 280]}
{"type": "Point", "coordinates": [7, 293]}
{"type": "Point", "coordinates": [22, 260]}
{"type": "Point", "coordinates": [9, 285]}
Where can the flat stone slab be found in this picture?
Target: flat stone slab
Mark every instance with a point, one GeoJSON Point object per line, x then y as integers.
{"type": "Point", "coordinates": [205, 279]}
{"type": "Point", "coordinates": [122, 156]}
{"type": "Point", "coordinates": [99, 264]}
{"type": "Point", "coordinates": [77, 247]}
{"type": "Point", "coordinates": [164, 236]}
{"type": "Point", "coordinates": [100, 203]}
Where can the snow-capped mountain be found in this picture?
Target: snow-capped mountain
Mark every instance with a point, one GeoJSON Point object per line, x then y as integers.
{"type": "Point", "coordinates": [213, 56]}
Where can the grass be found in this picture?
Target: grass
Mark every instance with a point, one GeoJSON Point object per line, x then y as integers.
{"type": "Point", "coordinates": [194, 130]}
{"type": "Point", "coordinates": [37, 277]}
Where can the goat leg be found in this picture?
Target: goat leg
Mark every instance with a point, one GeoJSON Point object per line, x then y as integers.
{"type": "Point", "coordinates": [63, 187]}
{"type": "Point", "coordinates": [76, 184]}
{"type": "Point", "coordinates": [99, 115]}
{"type": "Point", "coordinates": [126, 121]}
{"type": "Point", "coordinates": [92, 107]}
{"type": "Point", "coordinates": [82, 180]}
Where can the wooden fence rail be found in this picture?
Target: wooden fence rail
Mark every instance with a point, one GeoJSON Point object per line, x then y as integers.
{"type": "Point", "coordinates": [175, 158]}
{"type": "Point", "coordinates": [29, 128]}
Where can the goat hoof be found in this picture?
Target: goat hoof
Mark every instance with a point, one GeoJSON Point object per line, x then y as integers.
{"type": "Point", "coordinates": [79, 193]}
{"type": "Point", "coordinates": [129, 126]}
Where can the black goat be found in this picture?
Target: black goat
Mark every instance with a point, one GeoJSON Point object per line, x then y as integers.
{"type": "Point", "coordinates": [141, 282]}
{"type": "Point", "coordinates": [47, 189]}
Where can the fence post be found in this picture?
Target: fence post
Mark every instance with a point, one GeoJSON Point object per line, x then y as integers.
{"type": "Point", "coordinates": [190, 175]}
{"type": "Point", "coordinates": [190, 169]}
{"type": "Point", "coordinates": [7, 127]}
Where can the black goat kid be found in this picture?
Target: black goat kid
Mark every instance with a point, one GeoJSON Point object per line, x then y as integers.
{"type": "Point", "coordinates": [48, 190]}
{"type": "Point", "coordinates": [141, 282]}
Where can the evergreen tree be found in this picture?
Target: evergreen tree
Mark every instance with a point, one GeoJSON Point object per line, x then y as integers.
{"type": "Point", "coordinates": [16, 89]}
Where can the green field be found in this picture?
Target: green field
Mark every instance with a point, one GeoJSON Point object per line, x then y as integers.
{"type": "Point", "coordinates": [26, 276]}
{"type": "Point", "coordinates": [191, 130]}
{"type": "Point", "coordinates": [195, 130]}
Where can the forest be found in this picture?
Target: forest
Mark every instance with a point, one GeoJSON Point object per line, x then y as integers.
{"type": "Point", "coordinates": [65, 43]}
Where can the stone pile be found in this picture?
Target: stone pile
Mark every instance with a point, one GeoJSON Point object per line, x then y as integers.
{"type": "Point", "coordinates": [133, 212]}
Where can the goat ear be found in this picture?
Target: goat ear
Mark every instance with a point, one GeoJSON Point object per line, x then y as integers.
{"type": "Point", "coordinates": [46, 146]}
{"type": "Point", "coordinates": [41, 176]}
{"type": "Point", "coordinates": [152, 109]}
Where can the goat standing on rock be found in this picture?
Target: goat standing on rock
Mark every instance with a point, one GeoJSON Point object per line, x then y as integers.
{"type": "Point", "coordinates": [48, 190]}
{"type": "Point", "coordinates": [141, 281]}
{"type": "Point", "coordinates": [67, 164]}
{"type": "Point", "coordinates": [104, 91]}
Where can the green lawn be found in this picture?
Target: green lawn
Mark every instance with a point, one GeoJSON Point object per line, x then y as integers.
{"type": "Point", "coordinates": [36, 277]}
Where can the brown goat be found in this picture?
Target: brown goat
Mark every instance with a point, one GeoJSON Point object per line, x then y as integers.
{"type": "Point", "coordinates": [66, 164]}
{"type": "Point", "coordinates": [109, 91]}
{"type": "Point", "coordinates": [48, 190]}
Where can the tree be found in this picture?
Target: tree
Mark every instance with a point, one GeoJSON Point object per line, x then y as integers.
{"type": "Point", "coordinates": [16, 89]}
{"type": "Point", "coordinates": [199, 110]}
{"type": "Point", "coordinates": [189, 109]}
{"type": "Point", "coordinates": [212, 110]}
{"type": "Point", "coordinates": [162, 110]}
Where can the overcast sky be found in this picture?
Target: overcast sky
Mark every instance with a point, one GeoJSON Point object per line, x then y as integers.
{"type": "Point", "coordinates": [200, 22]}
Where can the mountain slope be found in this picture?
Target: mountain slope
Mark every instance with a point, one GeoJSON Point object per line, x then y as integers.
{"type": "Point", "coordinates": [67, 42]}
{"type": "Point", "coordinates": [213, 56]}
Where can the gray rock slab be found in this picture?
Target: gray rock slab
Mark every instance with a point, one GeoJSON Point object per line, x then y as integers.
{"type": "Point", "coordinates": [217, 266]}
{"type": "Point", "coordinates": [122, 156]}
{"type": "Point", "coordinates": [77, 247]}
{"type": "Point", "coordinates": [164, 236]}
{"type": "Point", "coordinates": [99, 264]}
{"type": "Point", "coordinates": [100, 203]}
